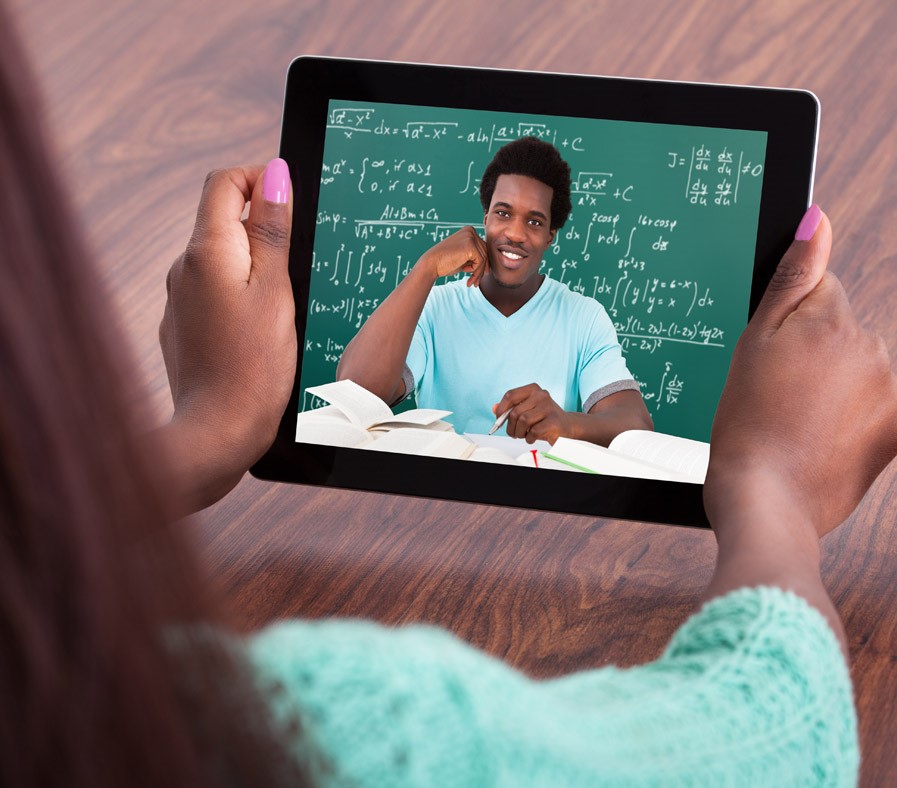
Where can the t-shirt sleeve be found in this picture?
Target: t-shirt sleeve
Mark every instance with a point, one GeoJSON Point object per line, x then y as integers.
{"type": "Point", "coordinates": [752, 690]}
{"type": "Point", "coordinates": [418, 359]}
{"type": "Point", "coordinates": [603, 369]}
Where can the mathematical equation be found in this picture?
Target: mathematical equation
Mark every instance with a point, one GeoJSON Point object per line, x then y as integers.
{"type": "Point", "coordinates": [355, 120]}
{"type": "Point", "coordinates": [711, 181]}
{"type": "Point", "coordinates": [629, 292]}
{"type": "Point", "coordinates": [587, 187]}
{"type": "Point", "coordinates": [342, 271]}
{"type": "Point", "coordinates": [710, 177]}
{"type": "Point", "coordinates": [382, 176]}
{"type": "Point", "coordinates": [650, 336]}
{"type": "Point", "coordinates": [354, 310]}
{"type": "Point", "coordinates": [431, 231]}
{"type": "Point", "coordinates": [661, 232]}
{"type": "Point", "coordinates": [667, 391]}
{"type": "Point", "coordinates": [404, 222]}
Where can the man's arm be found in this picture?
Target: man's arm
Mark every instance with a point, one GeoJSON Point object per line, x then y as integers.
{"type": "Point", "coordinates": [616, 413]}
{"type": "Point", "coordinates": [375, 358]}
{"type": "Point", "coordinates": [536, 416]}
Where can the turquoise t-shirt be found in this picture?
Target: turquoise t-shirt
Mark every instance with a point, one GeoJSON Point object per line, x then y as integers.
{"type": "Point", "coordinates": [752, 691]}
{"type": "Point", "coordinates": [465, 354]}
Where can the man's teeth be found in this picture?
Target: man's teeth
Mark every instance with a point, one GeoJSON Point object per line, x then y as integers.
{"type": "Point", "coordinates": [512, 256]}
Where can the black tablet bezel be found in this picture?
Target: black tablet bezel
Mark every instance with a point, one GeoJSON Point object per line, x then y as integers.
{"type": "Point", "coordinates": [789, 117]}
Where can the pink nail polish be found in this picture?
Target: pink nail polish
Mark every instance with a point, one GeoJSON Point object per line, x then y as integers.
{"type": "Point", "coordinates": [807, 227]}
{"type": "Point", "coordinates": [276, 181]}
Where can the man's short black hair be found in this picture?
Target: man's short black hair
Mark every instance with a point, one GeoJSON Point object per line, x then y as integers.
{"type": "Point", "coordinates": [536, 159]}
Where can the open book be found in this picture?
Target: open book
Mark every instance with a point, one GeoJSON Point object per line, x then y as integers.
{"type": "Point", "coordinates": [640, 453]}
{"type": "Point", "coordinates": [504, 450]}
{"type": "Point", "coordinates": [530, 459]}
{"type": "Point", "coordinates": [355, 417]}
{"type": "Point", "coordinates": [424, 443]}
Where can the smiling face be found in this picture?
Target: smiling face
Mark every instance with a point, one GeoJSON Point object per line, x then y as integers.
{"type": "Point", "coordinates": [517, 228]}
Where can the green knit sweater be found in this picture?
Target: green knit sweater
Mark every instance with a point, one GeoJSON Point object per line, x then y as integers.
{"type": "Point", "coordinates": [752, 690]}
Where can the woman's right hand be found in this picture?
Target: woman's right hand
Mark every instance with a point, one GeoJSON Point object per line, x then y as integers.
{"type": "Point", "coordinates": [809, 410]}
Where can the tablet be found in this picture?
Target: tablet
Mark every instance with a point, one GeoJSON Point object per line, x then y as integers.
{"type": "Point", "coordinates": [630, 228]}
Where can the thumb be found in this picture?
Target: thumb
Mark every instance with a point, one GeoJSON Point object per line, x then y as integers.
{"type": "Point", "coordinates": [800, 270]}
{"type": "Point", "coordinates": [270, 220]}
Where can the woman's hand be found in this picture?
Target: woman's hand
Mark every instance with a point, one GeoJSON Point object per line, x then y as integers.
{"type": "Point", "coordinates": [810, 404]}
{"type": "Point", "coordinates": [228, 335]}
{"type": "Point", "coordinates": [807, 420]}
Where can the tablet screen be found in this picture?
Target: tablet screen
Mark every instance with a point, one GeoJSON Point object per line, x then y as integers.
{"type": "Point", "coordinates": [659, 248]}
{"type": "Point", "coordinates": [626, 253]}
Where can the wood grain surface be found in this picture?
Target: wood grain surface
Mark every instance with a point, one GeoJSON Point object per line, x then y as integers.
{"type": "Point", "coordinates": [145, 97]}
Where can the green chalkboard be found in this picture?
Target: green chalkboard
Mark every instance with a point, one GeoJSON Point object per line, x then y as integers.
{"type": "Point", "coordinates": [662, 233]}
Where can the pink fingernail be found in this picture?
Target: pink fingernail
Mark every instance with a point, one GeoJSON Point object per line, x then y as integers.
{"type": "Point", "coordinates": [276, 181]}
{"type": "Point", "coordinates": [807, 227]}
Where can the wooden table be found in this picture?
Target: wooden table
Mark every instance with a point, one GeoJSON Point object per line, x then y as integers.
{"type": "Point", "coordinates": [144, 98]}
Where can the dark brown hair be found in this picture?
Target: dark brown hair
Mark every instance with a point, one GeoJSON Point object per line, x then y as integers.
{"type": "Point", "coordinates": [536, 159]}
{"type": "Point", "coordinates": [113, 666]}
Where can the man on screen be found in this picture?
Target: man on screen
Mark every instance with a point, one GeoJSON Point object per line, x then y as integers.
{"type": "Point", "coordinates": [506, 338]}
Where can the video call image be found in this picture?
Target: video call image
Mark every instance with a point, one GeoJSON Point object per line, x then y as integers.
{"type": "Point", "coordinates": [611, 265]}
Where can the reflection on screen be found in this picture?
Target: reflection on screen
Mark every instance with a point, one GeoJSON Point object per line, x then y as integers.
{"type": "Point", "coordinates": [661, 235]}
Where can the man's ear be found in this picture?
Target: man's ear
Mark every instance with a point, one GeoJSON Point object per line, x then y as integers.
{"type": "Point", "coordinates": [551, 236]}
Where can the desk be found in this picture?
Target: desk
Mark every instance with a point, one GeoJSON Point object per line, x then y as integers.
{"type": "Point", "coordinates": [144, 98]}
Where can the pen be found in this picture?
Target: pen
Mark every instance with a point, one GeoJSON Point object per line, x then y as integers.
{"type": "Point", "coordinates": [500, 420]}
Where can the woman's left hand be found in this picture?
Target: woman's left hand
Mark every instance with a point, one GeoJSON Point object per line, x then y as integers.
{"type": "Point", "coordinates": [228, 334]}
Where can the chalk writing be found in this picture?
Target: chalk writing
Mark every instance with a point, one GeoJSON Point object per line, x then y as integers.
{"type": "Point", "coordinates": [703, 176]}
{"type": "Point", "coordinates": [661, 233]}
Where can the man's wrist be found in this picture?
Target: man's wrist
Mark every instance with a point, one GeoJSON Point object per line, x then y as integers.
{"type": "Point", "coordinates": [428, 267]}
{"type": "Point", "coordinates": [573, 426]}
{"type": "Point", "coordinates": [590, 427]}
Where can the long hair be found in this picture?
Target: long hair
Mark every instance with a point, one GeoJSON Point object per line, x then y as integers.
{"type": "Point", "coordinates": [114, 666]}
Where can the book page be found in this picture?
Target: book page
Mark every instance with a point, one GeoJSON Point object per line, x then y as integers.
{"type": "Point", "coordinates": [425, 443]}
{"type": "Point", "coordinates": [524, 459]}
{"type": "Point", "coordinates": [542, 461]}
{"type": "Point", "coordinates": [421, 417]}
{"type": "Point", "coordinates": [591, 457]}
{"type": "Point", "coordinates": [435, 426]}
{"type": "Point", "coordinates": [513, 447]}
{"type": "Point", "coordinates": [360, 406]}
{"type": "Point", "coordinates": [332, 432]}
{"type": "Point", "coordinates": [489, 454]}
{"type": "Point", "coordinates": [678, 454]}
{"type": "Point", "coordinates": [329, 413]}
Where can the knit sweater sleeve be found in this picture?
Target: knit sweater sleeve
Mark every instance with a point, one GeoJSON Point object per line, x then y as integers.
{"type": "Point", "coordinates": [752, 690]}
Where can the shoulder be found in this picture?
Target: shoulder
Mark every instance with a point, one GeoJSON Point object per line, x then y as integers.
{"type": "Point", "coordinates": [559, 294]}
